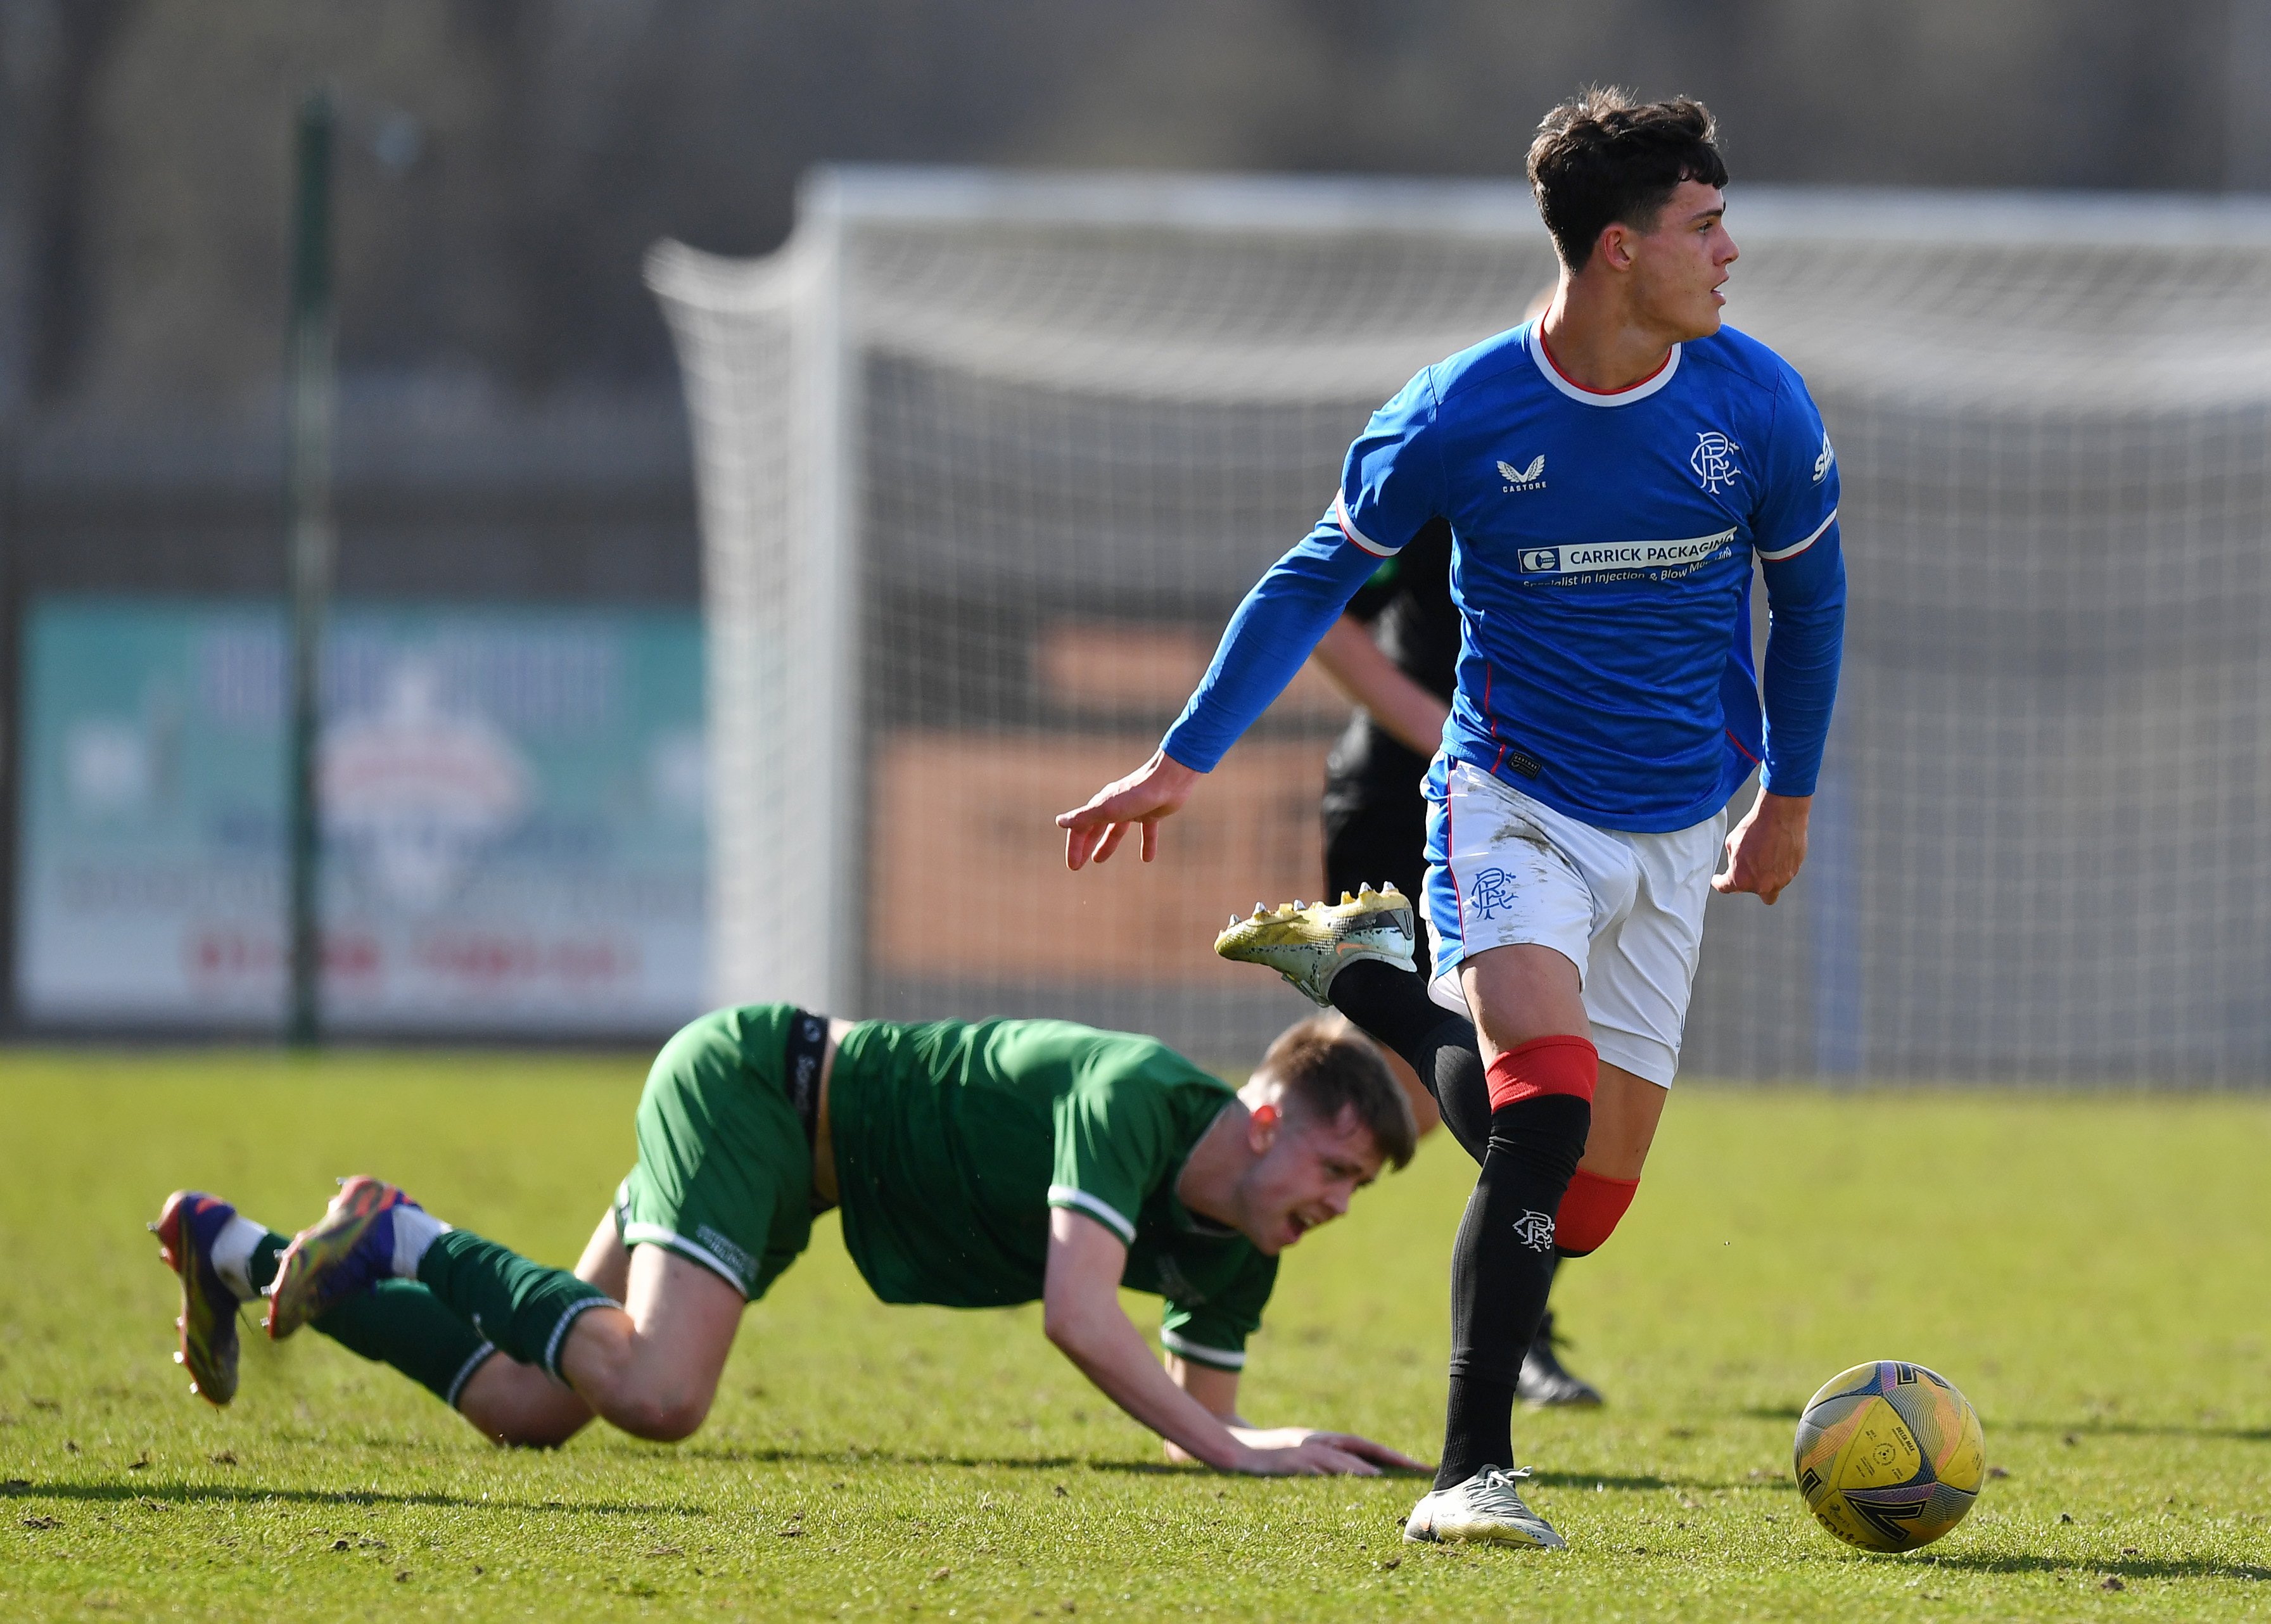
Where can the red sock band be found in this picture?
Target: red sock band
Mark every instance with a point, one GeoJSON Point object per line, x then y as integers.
{"type": "Point", "coordinates": [1557, 1065]}
{"type": "Point", "coordinates": [1589, 1211]}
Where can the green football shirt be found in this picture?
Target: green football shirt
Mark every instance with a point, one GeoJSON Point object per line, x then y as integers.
{"type": "Point", "coordinates": [953, 1140]}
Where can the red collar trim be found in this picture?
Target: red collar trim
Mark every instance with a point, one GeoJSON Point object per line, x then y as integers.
{"type": "Point", "coordinates": [1546, 350]}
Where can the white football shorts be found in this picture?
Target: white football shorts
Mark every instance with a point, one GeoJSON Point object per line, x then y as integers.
{"type": "Point", "coordinates": [1626, 909]}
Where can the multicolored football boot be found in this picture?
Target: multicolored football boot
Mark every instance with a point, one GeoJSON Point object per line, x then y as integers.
{"type": "Point", "coordinates": [1308, 943]}
{"type": "Point", "coordinates": [1485, 1508]}
{"type": "Point", "coordinates": [188, 1225]}
{"type": "Point", "coordinates": [348, 1250]}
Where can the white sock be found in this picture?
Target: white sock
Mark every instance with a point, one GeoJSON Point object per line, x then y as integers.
{"type": "Point", "coordinates": [414, 1230]}
{"type": "Point", "coordinates": [232, 1254]}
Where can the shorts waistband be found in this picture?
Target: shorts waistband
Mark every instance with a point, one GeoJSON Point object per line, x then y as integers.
{"type": "Point", "coordinates": [801, 1053]}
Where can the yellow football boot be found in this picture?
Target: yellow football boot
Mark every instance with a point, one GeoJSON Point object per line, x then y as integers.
{"type": "Point", "coordinates": [1308, 943]}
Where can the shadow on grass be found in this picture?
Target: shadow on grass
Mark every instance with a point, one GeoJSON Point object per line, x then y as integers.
{"type": "Point", "coordinates": [2125, 1567]}
{"type": "Point", "coordinates": [781, 1455]}
{"type": "Point", "coordinates": [2099, 1428]}
{"type": "Point", "coordinates": [776, 1456]}
{"type": "Point", "coordinates": [1587, 1479]}
{"type": "Point", "coordinates": [1640, 1482]}
{"type": "Point", "coordinates": [395, 1443]}
{"type": "Point", "coordinates": [2138, 1429]}
{"type": "Point", "coordinates": [194, 1494]}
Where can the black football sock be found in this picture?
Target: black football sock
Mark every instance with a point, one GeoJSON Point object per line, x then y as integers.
{"type": "Point", "coordinates": [1478, 1429]}
{"type": "Point", "coordinates": [1502, 1269]}
{"type": "Point", "coordinates": [397, 1323]}
{"type": "Point", "coordinates": [1545, 1320]}
{"type": "Point", "coordinates": [1393, 1006]}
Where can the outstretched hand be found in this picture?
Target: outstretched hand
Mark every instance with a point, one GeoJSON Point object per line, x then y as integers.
{"type": "Point", "coordinates": [1154, 790]}
{"type": "Point", "coordinates": [1766, 850]}
{"type": "Point", "coordinates": [1297, 1452]}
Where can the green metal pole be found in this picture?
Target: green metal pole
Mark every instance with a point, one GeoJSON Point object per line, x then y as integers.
{"type": "Point", "coordinates": [308, 498]}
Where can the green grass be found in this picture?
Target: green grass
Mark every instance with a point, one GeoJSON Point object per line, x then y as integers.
{"type": "Point", "coordinates": [2092, 1271]}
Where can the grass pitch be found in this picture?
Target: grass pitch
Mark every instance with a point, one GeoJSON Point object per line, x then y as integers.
{"type": "Point", "coordinates": [2091, 1271]}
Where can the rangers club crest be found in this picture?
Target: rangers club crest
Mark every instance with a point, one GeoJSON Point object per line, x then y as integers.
{"type": "Point", "coordinates": [1713, 460]}
{"type": "Point", "coordinates": [1535, 1230]}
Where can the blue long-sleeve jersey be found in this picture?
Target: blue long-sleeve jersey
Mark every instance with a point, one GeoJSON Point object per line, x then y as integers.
{"type": "Point", "coordinates": [1601, 564]}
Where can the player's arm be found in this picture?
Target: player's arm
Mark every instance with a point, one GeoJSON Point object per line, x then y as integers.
{"type": "Point", "coordinates": [1803, 567]}
{"type": "Point", "coordinates": [1081, 1314]}
{"type": "Point", "coordinates": [1266, 642]}
{"type": "Point", "coordinates": [1217, 1389]}
{"type": "Point", "coordinates": [1391, 484]}
{"type": "Point", "coordinates": [1411, 715]}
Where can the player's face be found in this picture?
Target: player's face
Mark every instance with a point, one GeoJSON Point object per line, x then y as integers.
{"type": "Point", "coordinates": [1679, 268]}
{"type": "Point", "coordinates": [1306, 1178]}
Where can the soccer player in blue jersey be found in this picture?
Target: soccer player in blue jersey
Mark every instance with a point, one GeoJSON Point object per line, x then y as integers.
{"type": "Point", "coordinates": [1611, 474]}
{"type": "Point", "coordinates": [1395, 653]}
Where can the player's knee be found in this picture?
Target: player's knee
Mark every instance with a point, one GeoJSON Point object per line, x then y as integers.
{"type": "Point", "coordinates": [678, 1420]}
{"type": "Point", "coordinates": [1562, 1064]}
{"type": "Point", "coordinates": [534, 1426]}
{"type": "Point", "coordinates": [659, 1417]}
{"type": "Point", "coordinates": [518, 1405]}
{"type": "Point", "coordinates": [1590, 1211]}
{"type": "Point", "coordinates": [660, 1404]}
{"type": "Point", "coordinates": [529, 1432]}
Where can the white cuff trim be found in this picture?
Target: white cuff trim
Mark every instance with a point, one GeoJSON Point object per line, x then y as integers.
{"type": "Point", "coordinates": [1340, 517]}
{"type": "Point", "coordinates": [575, 1311]}
{"type": "Point", "coordinates": [1080, 1200]}
{"type": "Point", "coordinates": [1780, 554]}
{"type": "Point", "coordinates": [473, 1361]}
{"type": "Point", "coordinates": [1227, 1358]}
{"type": "Point", "coordinates": [693, 1251]}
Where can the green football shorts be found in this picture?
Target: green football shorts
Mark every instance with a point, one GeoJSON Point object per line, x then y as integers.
{"type": "Point", "coordinates": [725, 1171]}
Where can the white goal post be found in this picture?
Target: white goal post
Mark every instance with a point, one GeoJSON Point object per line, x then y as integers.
{"type": "Point", "coordinates": [986, 459]}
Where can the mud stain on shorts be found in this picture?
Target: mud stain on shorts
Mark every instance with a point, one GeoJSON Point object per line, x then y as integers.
{"type": "Point", "coordinates": [1519, 828]}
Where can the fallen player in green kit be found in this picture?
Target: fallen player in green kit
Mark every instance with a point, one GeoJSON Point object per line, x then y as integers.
{"type": "Point", "coordinates": [976, 1165]}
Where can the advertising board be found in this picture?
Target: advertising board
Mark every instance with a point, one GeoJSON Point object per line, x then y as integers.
{"type": "Point", "coordinates": [514, 835]}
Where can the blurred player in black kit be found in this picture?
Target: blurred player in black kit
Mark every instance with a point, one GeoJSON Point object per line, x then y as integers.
{"type": "Point", "coordinates": [1395, 654]}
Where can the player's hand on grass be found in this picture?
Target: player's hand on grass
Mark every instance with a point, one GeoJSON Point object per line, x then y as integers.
{"type": "Point", "coordinates": [1297, 1452]}
{"type": "Point", "coordinates": [1153, 791]}
{"type": "Point", "coordinates": [1766, 850]}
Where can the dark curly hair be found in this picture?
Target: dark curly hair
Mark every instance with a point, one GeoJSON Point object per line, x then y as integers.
{"type": "Point", "coordinates": [1602, 158]}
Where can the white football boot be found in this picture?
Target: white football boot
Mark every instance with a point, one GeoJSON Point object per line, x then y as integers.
{"type": "Point", "coordinates": [1485, 1507]}
{"type": "Point", "coordinates": [1308, 943]}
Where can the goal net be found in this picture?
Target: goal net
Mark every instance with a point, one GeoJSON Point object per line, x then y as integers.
{"type": "Point", "coordinates": [986, 460]}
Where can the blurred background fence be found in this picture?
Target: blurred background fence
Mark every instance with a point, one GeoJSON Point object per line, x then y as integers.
{"type": "Point", "coordinates": [988, 460]}
{"type": "Point", "coordinates": [2057, 676]}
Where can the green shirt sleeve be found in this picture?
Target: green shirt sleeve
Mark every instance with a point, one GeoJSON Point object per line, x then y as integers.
{"type": "Point", "coordinates": [1215, 1332]}
{"type": "Point", "coordinates": [1115, 1138]}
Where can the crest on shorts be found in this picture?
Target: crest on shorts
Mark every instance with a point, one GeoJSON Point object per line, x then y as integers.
{"type": "Point", "coordinates": [1492, 890]}
{"type": "Point", "coordinates": [1713, 460]}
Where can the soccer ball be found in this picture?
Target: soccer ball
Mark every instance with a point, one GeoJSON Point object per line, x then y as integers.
{"type": "Point", "coordinates": [1889, 1457]}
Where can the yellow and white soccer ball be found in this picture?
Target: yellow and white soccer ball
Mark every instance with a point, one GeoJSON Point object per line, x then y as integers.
{"type": "Point", "coordinates": [1889, 1456]}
